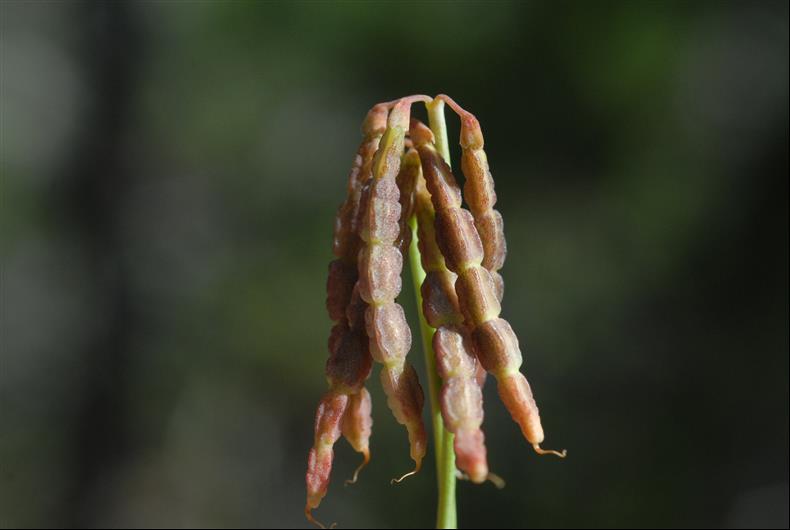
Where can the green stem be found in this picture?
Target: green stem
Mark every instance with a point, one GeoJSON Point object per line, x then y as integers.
{"type": "Point", "coordinates": [446, 516]}
{"type": "Point", "coordinates": [439, 128]}
{"type": "Point", "coordinates": [426, 332]}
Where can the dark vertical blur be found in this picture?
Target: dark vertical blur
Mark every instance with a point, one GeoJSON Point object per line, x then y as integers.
{"type": "Point", "coordinates": [85, 203]}
{"type": "Point", "coordinates": [169, 178]}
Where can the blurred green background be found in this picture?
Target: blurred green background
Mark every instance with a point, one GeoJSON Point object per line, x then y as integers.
{"type": "Point", "coordinates": [170, 173]}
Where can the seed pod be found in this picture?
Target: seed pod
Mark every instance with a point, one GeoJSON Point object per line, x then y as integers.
{"type": "Point", "coordinates": [349, 361]}
{"type": "Point", "coordinates": [461, 397]}
{"type": "Point", "coordinates": [495, 343]}
{"type": "Point", "coordinates": [379, 265]}
{"type": "Point", "coordinates": [345, 242]}
{"type": "Point", "coordinates": [328, 419]}
{"type": "Point", "coordinates": [345, 408]}
{"type": "Point", "coordinates": [479, 189]}
{"type": "Point", "coordinates": [461, 400]}
{"type": "Point", "coordinates": [357, 426]}
{"type": "Point", "coordinates": [339, 284]}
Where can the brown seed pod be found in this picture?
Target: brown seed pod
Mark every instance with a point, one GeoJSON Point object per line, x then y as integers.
{"type": "Point", "coordinates": [346, 238]}
{"type": "Point", "coordinates": [379, 266]}
{"type": "Point", "coordinates": [357, 427]}
{"type": "Point", "coordinates": [461, 396]}
{"type": "Point", "coordinates": [461, 400]}
{"type": "Point", "coordinates": [345, 408]}
{"type": "Point", "coordinates": [479, 189]}
{"type": "Point", "coordinates": [495, 343]}
{"type": "Point", "coordinates": [328, 419]}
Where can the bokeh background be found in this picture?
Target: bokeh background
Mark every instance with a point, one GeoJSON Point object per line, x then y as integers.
{"type": "Point", "coordinates": [170, 173]}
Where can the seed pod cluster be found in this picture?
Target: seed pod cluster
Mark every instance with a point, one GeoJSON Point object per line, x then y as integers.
{"type": "Point", "coordinates": [495, 343]}
{"type": "Point", "coordinates": [461, 396]}
{"type": "Point", "coordinates": [345, 408]}
{"type": "Point", "coordinates": [393, 178]}
{"type": "Point", "coordinates": [379, 265]}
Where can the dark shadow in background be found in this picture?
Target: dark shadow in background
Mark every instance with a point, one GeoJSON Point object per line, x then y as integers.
{"type": "Point", "coordinates": [87, 203]}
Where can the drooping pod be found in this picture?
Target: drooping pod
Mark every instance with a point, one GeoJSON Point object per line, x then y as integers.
{"type": "Point", "coordinates": [345, 408]}
{"type": "Point", "coordinates": [461, 397]}
{"type": "Point", "coordinates": [496, 345]}
{"type": "Point", "coordinates": [328, 420]}
{"type": "Point", "coordinates": [379, 265]}
{"type": "Point", "coordinates": [358, 421]}
{"type": "Point", "coordinates": [347, 369]}
{"type": "Point", "coordinates": [479, 193]}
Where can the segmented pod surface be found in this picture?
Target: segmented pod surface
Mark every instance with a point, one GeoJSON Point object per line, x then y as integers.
{"type": "Point", "coordinates": [461, 397]}
{"type": "Point", "coordinates": [345, 408]}
{"type": "Point", "coordinates": [480, 194]}
{"type": "Point", "coordinates": [393, 178]}
{"type": "Point", "coordinates": [379, 265]}
{"type": "Point", "coordinates": [495, 343]}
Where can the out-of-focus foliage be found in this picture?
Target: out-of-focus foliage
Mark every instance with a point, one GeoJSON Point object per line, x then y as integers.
{"type": "Point", "coordinates": [170, 173]}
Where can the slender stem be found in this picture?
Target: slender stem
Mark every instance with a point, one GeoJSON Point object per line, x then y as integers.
{"type": "Point", "coordinates": [446, 516]}
{"type": "Point", "coordinates": [426, 332]}
{"type": "Point", "coordinates": [439, 128]}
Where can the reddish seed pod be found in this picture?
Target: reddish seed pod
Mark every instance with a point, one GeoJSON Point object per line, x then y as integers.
{"type": "Point", "coordinates": [458, 239]}
{"type": "Point", "coordinates": [339, 284]}
{"type": "Point", "coordinates": [479, 188]}
{"type": "Point", "coordinates": [390, 335]}
{"type": "Point", "coordinates": [492, 233]}
{"type": "Point", "coordinates": [479, 185]}
{"type": "Point", "coordinates": [470, 453]}
{"type": "Point", "coordinates": [517, 397]}
{"type": "Point", "coordinates": [349, 362]}
{"type": "Point", "coordinates": [430, 255]}
{"type": "Point", "coordinates": [420, 133]}
{"type": "Point", "coordinates": [328, 419]}
{"type": "Point", "coordinates": [439, 301]}
{"type": "Point", "coordinates": [453, 352]}
{"type": "Point", "coordinates": [379, 267]}
{"type": "Point", "coordinates": [349, 365]}
{"type": "Point", "coordinates": [495, 344]}
{"type": "Point", "coordinates": [346, 238]}
{"type": "Point", "coordinates": [439, 179]}
{"type": "Point", "coordinates": [477, 295]}
{"type": "Point", "coordinates": [380, 222]}
{"type": "Point", "coordinates": [379, 273]}
{"type": "Point", "coordinates": [406, 400]}
{"type": "Point", "coordinates": [357, 422]}
{"type": "Point", "coordinates": [471, 134]}
{"type": "Point", "coordinates": [461, 398]}
{"type": "Point", "coordinates": [497, 347]}
{"type": "Point", "coordinates": [357, 427]}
